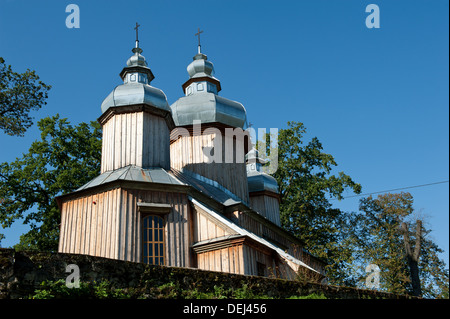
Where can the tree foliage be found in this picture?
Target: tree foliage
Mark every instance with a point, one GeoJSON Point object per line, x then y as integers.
{"type": "Point", "coordinates": [378, 238]}
{"type": "Point", "coordinates": [306, 184]}
{"type": "Point", "coordinates": [20, 93]}
{"type": "Point", "coordinates": [65, 158]}
{"type": "Point", "coordinates": [349, 241]}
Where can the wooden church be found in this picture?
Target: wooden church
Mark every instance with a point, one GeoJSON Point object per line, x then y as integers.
{"type": "Point", "coordinates": [160, 200]}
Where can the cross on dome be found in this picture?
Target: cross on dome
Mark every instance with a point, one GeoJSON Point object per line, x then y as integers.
{"type": "Point", "coordinates": [137, 34]}
{"type": "Point", "coordinates": [198, 34]}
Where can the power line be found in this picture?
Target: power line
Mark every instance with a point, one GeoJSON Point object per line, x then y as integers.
{"type": "Point", "coordinates": [391, 190]}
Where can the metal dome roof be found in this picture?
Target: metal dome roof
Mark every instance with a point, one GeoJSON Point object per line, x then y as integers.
{"type": "Point", "coordinates": [135, 93]}
{"type": "Point", "coordinates": [136, 88]}
{"type": "Point", "coordinates": [256, 178]}
{"type": "Point", "coordinates": [262, 182]}
{"type": "Point", "coordinates": [202, 102]}
{"type": "Point", "coordinates": [200, 66]}
{"type": "Point", "coordinates": [208, 108]}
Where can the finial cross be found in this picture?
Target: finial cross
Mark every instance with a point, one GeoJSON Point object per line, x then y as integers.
{"type": "Point", "coordinates": [137, 30]}
{"type": "Point", "coordinates": [198, 34]}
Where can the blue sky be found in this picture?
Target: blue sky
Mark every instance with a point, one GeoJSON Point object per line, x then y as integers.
{"type": "Point", "coordinates": [377, 99]}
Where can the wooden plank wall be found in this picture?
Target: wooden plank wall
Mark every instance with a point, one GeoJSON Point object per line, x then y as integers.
{"type": "Point", "coordinates": [156, 142]}
{"type": "Point", "coordinates": [107, 224]}
{"type": "Point", "coordinates": [239, 259]}
{"type": "Point", "coordinates": [229, 259]}
{"type": "Point", "coordinates": [176, 226]}
{"type": "Point", "coordinates": [253, 256]}
{"type": "Point", "coordinates": [112, 227]}
{"type": "Point", "coordinates": [138, 138]}
{"type": "Point", "coordinates": [243, 259]}
{"type": "Point", "coordinates": [89, 225]}
{"type": "Point", "coordinates": [187, 152]}
{"type": "Point", "coordinates": [267, 206]}
{"type": "Point", "coordinates": [205, 227]}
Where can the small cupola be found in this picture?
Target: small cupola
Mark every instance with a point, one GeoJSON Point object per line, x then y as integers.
{"type": "Point", "coordinates": [137, 65]}
{"type": "Point", "coordinates": [202, 102]}
{"type": "Point", "coordinates": [258, 181]}
{"type": "Point", "coordinates": [136, 88]}
{"type": "Point", "coordinates": [201, 76]}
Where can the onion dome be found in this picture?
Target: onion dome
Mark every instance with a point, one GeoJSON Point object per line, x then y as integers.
{"type": "Point", "coordinates": [136, 88]}
{"type": "Point", "coordinates": [258, 181]}
{"type": "Point", "coordinates": [201, 67]}
{"type": "Point", "coordinates": [201, 101]}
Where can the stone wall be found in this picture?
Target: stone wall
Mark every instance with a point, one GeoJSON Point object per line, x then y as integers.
{"type": "Point", "coordinates": [21, 273]}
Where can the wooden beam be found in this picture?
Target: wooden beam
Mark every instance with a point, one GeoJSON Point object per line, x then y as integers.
{"type": "Point", "coordinates": [154, 208]}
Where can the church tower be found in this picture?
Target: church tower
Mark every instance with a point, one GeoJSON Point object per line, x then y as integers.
{"type": "Point", "coordinates": [136, 120]}
{"type": "Point", "coordinates": [134, 209]}
{"type": "Point", "coordinates": [209, 142]}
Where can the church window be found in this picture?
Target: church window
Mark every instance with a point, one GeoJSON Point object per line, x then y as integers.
{"type": "Point", "coordinates": [153, 240]}
{"type": "Point", "coordinates": [143, 78]}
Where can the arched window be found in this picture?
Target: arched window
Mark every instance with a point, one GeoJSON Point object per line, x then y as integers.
{"type": "Point", "coordinates": [153, 240]}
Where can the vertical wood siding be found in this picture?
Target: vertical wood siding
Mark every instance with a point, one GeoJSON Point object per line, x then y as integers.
{"type": "Point", "coordinates": [89, 225]}
{"type": "Point", "coordinates": [138, 138]}
{"type": "Point", "coordinates": [112, 227]}
{"type": "Point", "coordinates": [176, 233]}
{"type": "Point", "coordinates": [188, 152]}
{"type": "Point", "coordinates": [237, 258]}
{"type": "Point", "coordinates": [267, 206]}
{"type": "Point", "coordinates": [108, 224]}
{"type": "Point", "coordinates": [241, 259]}
{"type": "Point", "coordinates": [229, 259]}
{"type": "Point", "coordinates": [205, 227]}
{"type": "Point", "coordinates": [253, 256]}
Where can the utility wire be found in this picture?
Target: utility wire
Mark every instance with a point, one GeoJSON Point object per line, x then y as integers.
{"type": "Point", "coordinates": [391, 190]}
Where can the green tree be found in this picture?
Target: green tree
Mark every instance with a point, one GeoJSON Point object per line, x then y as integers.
{"type": "Point", "coordinates": [20, 93]}
{"type": "Point", "coordinates": [65, 158]}
{"type": "Point", "coordinates": [386, 233]}
{"type": "Point", "coordinates": [306, 185]}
